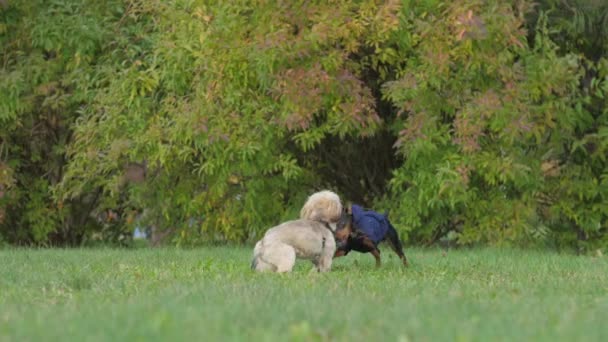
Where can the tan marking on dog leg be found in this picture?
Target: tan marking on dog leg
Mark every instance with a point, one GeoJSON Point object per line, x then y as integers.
{"type": "Point", "coordinates": [395, 244]}
{"type": "Point", "coordinates": [376, 254]}
{"type": "Point", "coordinates": [339, 253]}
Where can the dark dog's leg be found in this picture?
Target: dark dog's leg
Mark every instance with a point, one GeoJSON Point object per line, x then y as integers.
{"type": "Point", "coordinates": [376, 254]}
{"type": "Point", "coordinates": [395, 243]}
{"type": "Point", "coordinates": [370, 246]}
{"type": "Point", "coordinates": [339, 253]}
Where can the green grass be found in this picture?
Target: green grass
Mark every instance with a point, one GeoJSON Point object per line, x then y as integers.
{"type": "Point", "coordinates": [210, 294]}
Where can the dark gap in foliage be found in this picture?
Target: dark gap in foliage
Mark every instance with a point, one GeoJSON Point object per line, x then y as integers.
{"type": "Point", "coordinates": [359, 167]}
{"type": "Point", "coordinates": [575, 25]}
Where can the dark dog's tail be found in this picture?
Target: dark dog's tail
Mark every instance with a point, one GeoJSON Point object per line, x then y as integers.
{"type": "Point", "coordinates": [254, 263]}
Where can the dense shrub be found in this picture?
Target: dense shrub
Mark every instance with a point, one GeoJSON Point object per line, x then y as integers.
{"type": "Point", "coordinates": [501, 142]}
{"type": "Point", "coordinates": [482, 122]}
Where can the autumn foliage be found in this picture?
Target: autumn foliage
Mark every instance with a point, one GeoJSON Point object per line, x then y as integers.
{"type": "Point", "coordinates": [470, 122]}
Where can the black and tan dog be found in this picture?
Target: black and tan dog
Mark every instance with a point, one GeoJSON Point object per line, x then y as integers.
{"type": "Point", "coordinates": [362, 230]}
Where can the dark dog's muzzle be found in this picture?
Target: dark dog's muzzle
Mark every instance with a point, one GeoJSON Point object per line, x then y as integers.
{"type": "Point", "coordinates": [340, 243]}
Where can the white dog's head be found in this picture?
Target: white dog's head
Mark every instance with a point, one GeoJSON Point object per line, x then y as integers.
{"type": "Point", "coordinates": [322, 206]}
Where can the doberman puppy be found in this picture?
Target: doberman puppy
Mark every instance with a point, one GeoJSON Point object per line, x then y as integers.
{"type": "Point", "coordinates": [362, 230]}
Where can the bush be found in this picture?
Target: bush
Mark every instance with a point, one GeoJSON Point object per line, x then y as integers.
{"type": "Point", "coordinates": [211, 120]}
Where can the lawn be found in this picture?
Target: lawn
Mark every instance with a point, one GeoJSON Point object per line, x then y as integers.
{"type": "Point", "coordinates": [210, 294]}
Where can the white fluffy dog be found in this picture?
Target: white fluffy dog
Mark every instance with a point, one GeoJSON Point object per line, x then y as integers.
{"type": "Point", "coordinates": [311, 237]}
{"type": "Point", "coordinates": [305, 239]}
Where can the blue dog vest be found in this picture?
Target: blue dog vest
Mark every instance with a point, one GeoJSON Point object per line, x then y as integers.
{"type": "Point", "coordinates": [373, 224]}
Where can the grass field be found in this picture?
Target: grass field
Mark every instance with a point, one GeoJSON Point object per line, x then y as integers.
{"type": "Point", "coordinates": [210, 294]}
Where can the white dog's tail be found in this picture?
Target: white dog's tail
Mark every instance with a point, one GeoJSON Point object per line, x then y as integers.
{"type": "Point", "coordinates": [257, 250]}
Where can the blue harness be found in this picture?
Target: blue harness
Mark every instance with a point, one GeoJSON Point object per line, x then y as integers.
{"type": "Point", "coordinates": [373, 224]}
